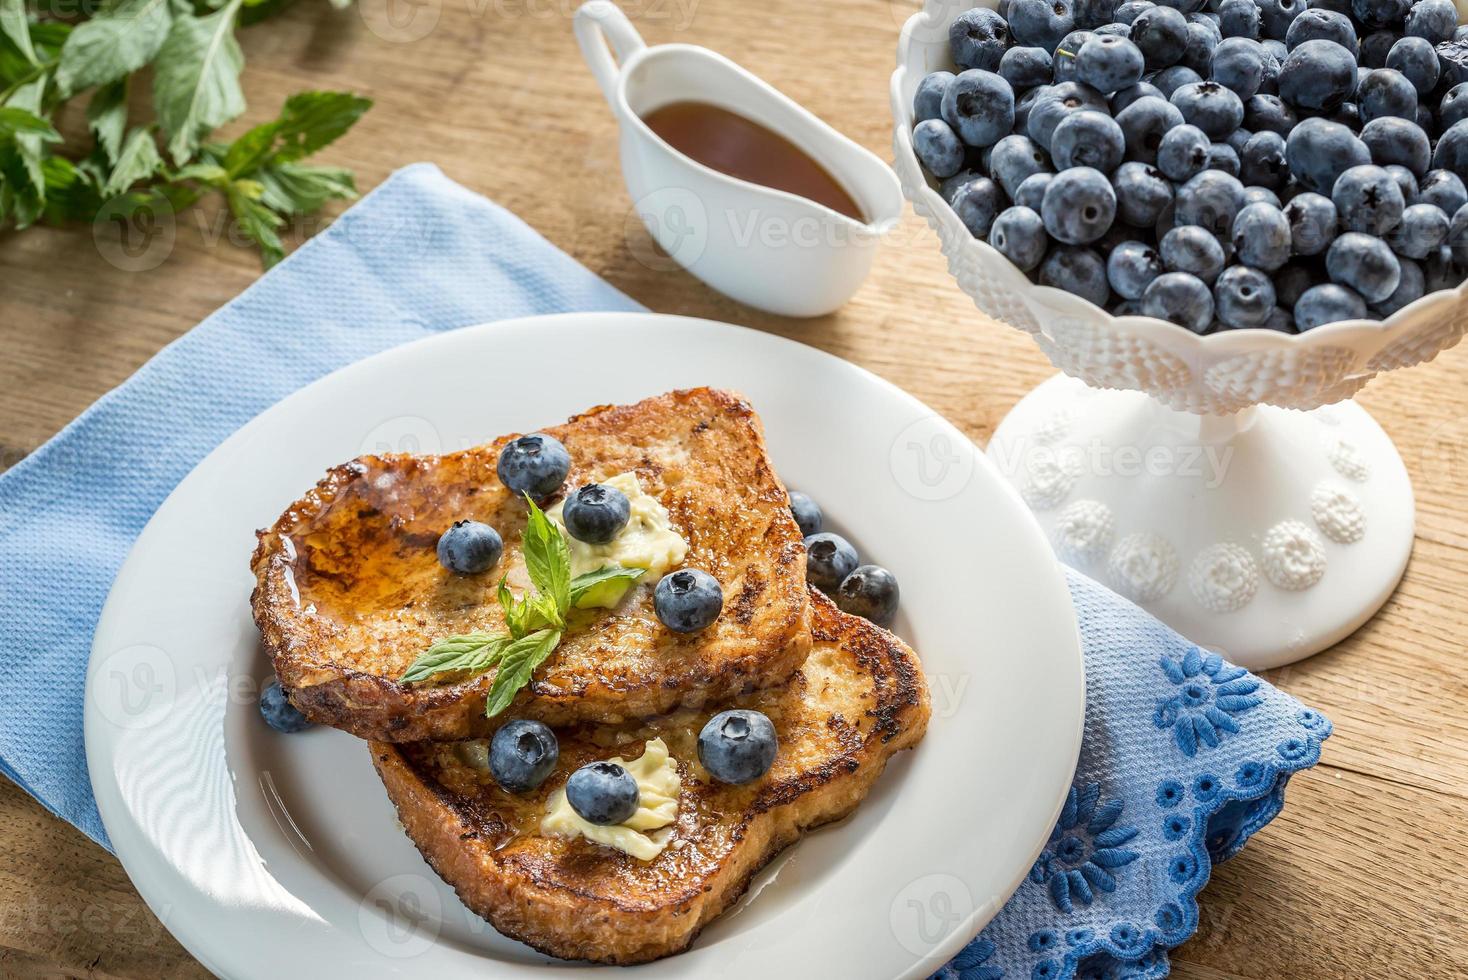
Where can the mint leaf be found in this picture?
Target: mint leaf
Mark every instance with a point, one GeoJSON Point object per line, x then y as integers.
{"type": "Point", "coordinates": [547, 557]}
{"type": "Point", "coordinates": [107, 118]}
{"type": "Point", "coordinates": [137, 160]}
{"type": "Point", "coordinates": [196, 82]}
{"type": "Point", "coordinates": [517, 662]}
{"type": "Point", "coordinates": [15, 25]}
{"type": "Point", "coordinates": [15, 121]}
{"type": "Point", "coordinates": [121, 38]}
{"type": "Point", "coordinates": [472, 653]}
{"type": "Point", "coordinates": [604, 586]}
{"type": "Point", "coordinates": [307, 122]}
{"type": "Point", "coordinates": [298, 188]}
{"type": "Point", "coordinates": [256, 220]}
{"type": "Point", "coordinates": [22, 133]}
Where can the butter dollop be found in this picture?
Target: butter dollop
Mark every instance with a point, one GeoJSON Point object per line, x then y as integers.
{"type": "Point", "coordinates": [648, 541]}
{"type": "Point", "coordinates": [642, 835]}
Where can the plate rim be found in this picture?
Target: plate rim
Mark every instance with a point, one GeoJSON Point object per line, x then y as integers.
{"type": "Point", "coordinates": [113, 810]}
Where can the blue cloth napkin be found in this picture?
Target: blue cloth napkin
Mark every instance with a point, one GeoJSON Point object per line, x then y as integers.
{"type": "Point", "coordinates": [1184, 756]}
{"type": "Point", "coordinates": [418, 255]}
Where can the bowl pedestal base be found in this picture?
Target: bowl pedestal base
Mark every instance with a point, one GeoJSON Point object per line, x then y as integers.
{"type": "Point", "coordinates": [1267, 536]}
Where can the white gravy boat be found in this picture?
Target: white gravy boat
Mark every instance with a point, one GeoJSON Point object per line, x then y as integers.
{"type": "Point", "coordinates": [770, 249]}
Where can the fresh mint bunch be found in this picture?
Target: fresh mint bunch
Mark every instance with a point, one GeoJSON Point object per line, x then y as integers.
{"type": "Point", "coordinates": [534, 623]}
{"type": "Point", "coordinates": [129, 165]}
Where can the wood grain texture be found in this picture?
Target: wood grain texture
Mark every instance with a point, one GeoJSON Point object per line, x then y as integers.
{"type": "Point", "coordinates": [1359, 877]}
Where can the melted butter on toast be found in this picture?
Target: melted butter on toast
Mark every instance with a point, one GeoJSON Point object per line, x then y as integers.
{"type": "Point", "coordinates": [642, 835]}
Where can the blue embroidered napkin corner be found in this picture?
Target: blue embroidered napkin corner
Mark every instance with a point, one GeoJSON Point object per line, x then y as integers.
{"type": "Point", "coordinates": [1185, 756]}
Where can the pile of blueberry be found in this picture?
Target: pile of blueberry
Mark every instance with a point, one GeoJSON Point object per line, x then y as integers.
{"type": "Point", "coordinates": [832, 565]}
{"type": "Point", "coordinates": [1221, 164]}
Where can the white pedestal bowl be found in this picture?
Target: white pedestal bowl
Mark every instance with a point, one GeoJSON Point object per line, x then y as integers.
{"type": "Point", "coordinates": [1202, 476]}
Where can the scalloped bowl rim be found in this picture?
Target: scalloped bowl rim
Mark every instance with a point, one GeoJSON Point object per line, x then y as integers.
{"type": "Point", "coordinates": [1196, 344]}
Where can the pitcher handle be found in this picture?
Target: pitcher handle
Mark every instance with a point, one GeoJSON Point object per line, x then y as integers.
{"type": "Point", "coordinates": [603, 30]}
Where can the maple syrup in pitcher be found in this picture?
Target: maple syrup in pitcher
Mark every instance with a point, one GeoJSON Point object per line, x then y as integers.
{"type": "Point", "coordinates": [731, 144]}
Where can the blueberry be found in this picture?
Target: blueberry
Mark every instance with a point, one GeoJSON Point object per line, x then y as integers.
{"type": "Point", "coordinates": [737, 746]}
{"type": "Point", "coordinates": [1019, 235]}
{"type": "Point", "coordinates": [1079, 206]}
{"type": "Point", "coordinates": [978, 38]}
{"type": "Point", "coordinates": [1040, 23]}
{"type": "Point", "coordinates": [1238, 65]}
{"type": "Point", "coordinates": [1268, 113]}
{"type": "Point", "coordinates": [1131, 266]}
{"type": "Point", "coordinates": [807, 513]}
{"type": "Point", "coordinates": [1031, 192]}
{"type": "Point", "coordinates": [1203, 39]}
{"type": "Point", "coordinates": [1406, 181]}
{"type": "Point", "coordinates": [1182, 298]}
{"type": "Point", "coordinates": [1128, 11]}
{"type": "Point", "coordinates": [1243, 297]}
{"type": "Point", "coordinates": [1367, 199]}
{"type": "Point", "coordinates": [1095, 13]}
{"type": "Point", "coordinates": [596, 513]}
{"type": "Point", "coordinates": [1422, 230]}
{"type": "Point", "coordinates": [1065, 55]}
{"type": "Point", "coordinates": [1261, 195]}
{"type": "Point", "coordinates": [1024, 68]}
{"type": "Point", "coordinates": [1141, 90]}
{"type": "Point", "coordinates": [1397, 141]}
{"type": "Point", "coordinates": [1183, 153]}
{"type": "Point", "coordinates": [1417, 60]}
{"type": "Point", "coordinates": [1443, 188]}
{"type": "Point", "coordinates": [1412, 288]}
{"type": "Point", "coordinates": [1452, 59]}
{"type": "Point", "coordinates": [278, 712]}
{"type": "Point", "coordinates": [1454, 106]}
{"type": "Point", "coordinates": [1210, 106]}
{"type": "Point", "coordinates": [1162, 34]}
{"type": "Point", "coordinates": [1319, 151]}
{"type": "Point", "coordinates": [1058, 102]}
{"type": "Point", "coordinates": [1291, 282]}
{"type": "Point", "coordinates": [1144, 122]}
{"type": "Point", "coordinates": [1281, 320]}
{"type": "Point", "coordinates": [536, 464]}
{"type": "Point", "coordinates": [870, 592]}
{"type": "Point", "coordinates": [1113, 30]}
{"type": "Point", "coordinates": [950, 186]}
{"type": "Point", "coordinates": [1025, 103]}
{"type": "Point", "coordinates": [1275, 16]}
{"type": "Point", "coordinates": [690, 599]}
{"type": "Point", "coordinates": [1261, 237]}
{"type": "Point", "coordinates": [1364, 264]}
{"type": "Point", "coordinates": [1458, 235]}
{"type": "Point", "coordinates": [1374, 48]}
{"type": "Point", "coordinates": [1109, 64]}
{"type": "Point", "coordinates": [1321, 25]}
{"type": "Point", "coordinates": [602, 793]}
{"type": "Point", "coordinates": [1262, 162]}
{"type": "Point", "coordinates": [1348, 114]}
{"type": "Point", "coordinates": [1142, 194]}
{"type": "Point", "coordinates": [979, 105]}
{"type": "Point", "coordinates": [1386, 92]}
{"type": "Point", "coordinates": [1451, 152]}
{"type": "Point", "coordinates": [1380, 13]}
{"type": "Point", "coordinates": [469, 547]}
{"type": "Point", "coordinates": [829, 559]}
{"type": "Point", "coordinates": [927, 103]}
{"type": "Point", "coordinates": [1222, 157]}
{"type": "Point", "coordinates": [1078, 271]}
{"type": "Point", "coordinates": [1313, 223]}
{"type": "Point", "coordinates": [1087, 139]}
{"type": "Point", "coordinates": [1237, 140]}
{"type": "Point", "coordinates": [1210, 200]}
{"type": "Point", "coordinates": [1190, 249]}
{"type": "Point", "coordinates": [1328, 303]}
{"type": "Point", "coordinates": [977, 203]}
{"type": "Point", "coordinates": [1432, 20]}
{"type": "Point", "coordinates": [1238, 18]}
{"type": "Point", "coordinates": [938, 147]}
{"type": "Point", "coordinates": [1169, 80]}
{"type": "Point", "coordinates": [521, 754]}
{"type": "Point", "coordinates": [1016, 158]}
{"type": "Point", "coordinates": [1441, 270]}
{"type": "Point", "coordinates": [1317, 75]}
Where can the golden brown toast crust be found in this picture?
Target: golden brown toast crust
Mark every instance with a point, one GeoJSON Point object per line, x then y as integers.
{"type": "Point", "coordinates": [858, 699]}
{"type": "Point", "coordinates": [349, 589]}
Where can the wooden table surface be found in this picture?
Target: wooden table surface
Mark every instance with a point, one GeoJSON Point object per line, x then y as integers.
{"type": "Point", "coordinates": [1362, 875]}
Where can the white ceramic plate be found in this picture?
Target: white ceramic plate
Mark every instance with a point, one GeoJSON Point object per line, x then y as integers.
{"type": "Point", "coordinates": [266, 853]}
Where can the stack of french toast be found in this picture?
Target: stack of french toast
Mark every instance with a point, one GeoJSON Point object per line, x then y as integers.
{"type": "Point", "coordinates": [351, 592]}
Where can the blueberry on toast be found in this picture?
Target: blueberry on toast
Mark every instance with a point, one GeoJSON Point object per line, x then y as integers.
{"type": "Point", "coordinates": [859, 698]}
{"type": "Point", "coordinates": [350, 588]}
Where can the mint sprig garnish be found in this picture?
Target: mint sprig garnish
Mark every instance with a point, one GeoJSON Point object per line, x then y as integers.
{"type": "Point", "coordinates": [534, 622]}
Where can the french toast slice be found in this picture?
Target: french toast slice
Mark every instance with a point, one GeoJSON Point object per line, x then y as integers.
{"type": "Point", "coordinates": [349, 589]}
{"type": "Point", "coordinates": [859, 698]}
